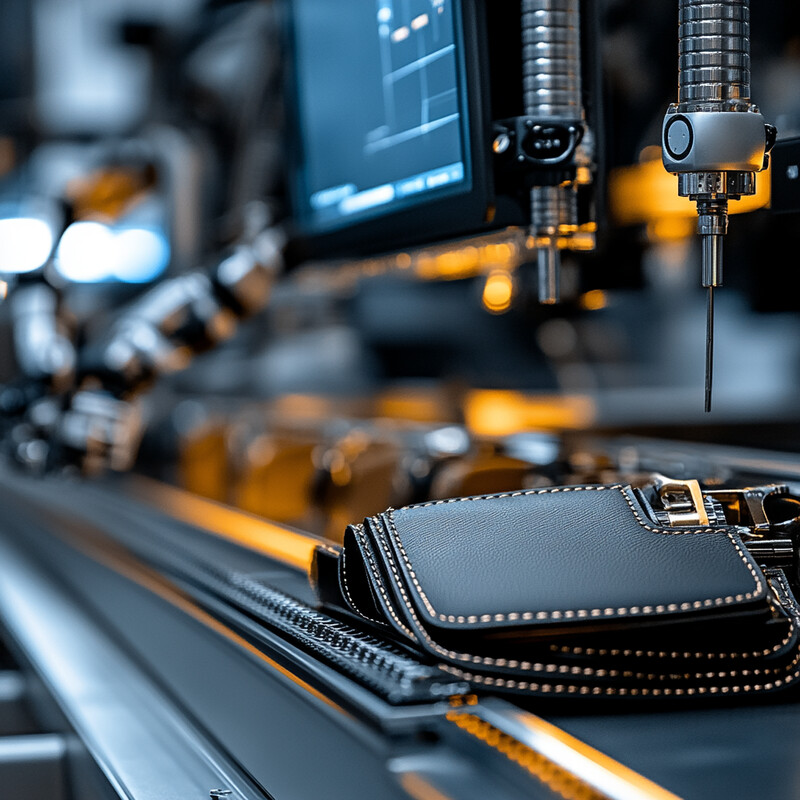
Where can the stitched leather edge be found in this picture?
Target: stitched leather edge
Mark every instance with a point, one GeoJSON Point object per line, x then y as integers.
{"type": "Point", "coordinates": [617, 691]}
{"type": "Point", "coordinates": [349, 597]}
{"type": "Point", "coordinates": [525, 616]}
{"type": "Point", "coordinates": [628, 653]}
{"type": "Point", "coordinates": [771, 576]}
{"type": "Point", "coordinates": [362, 537]}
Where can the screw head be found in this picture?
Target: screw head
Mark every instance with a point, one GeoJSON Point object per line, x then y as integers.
{"type": "Point", "coordinates": [501, 143]}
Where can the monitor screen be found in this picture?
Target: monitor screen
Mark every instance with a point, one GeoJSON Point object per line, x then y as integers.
{"type": "Point", "coordinates": [382, 108]}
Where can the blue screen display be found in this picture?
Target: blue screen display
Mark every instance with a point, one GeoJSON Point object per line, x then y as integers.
{"type": "Point", "coordinates": [382, 105]}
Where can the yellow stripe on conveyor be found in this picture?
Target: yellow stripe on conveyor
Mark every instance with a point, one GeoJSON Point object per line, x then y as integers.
{"type": "Point", "coordinates": [279, 542]}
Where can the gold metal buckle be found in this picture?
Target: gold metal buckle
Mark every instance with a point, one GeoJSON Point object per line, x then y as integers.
{"type": "Point", "coordinates": [682, 500]}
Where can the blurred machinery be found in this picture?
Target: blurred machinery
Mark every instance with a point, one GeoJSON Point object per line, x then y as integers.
{"type": "Point", "coordinates": [545, 168]}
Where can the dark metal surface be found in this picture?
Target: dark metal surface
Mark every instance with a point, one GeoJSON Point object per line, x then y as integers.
{"type": "Point", "coordinates": [708, 753]}
{"type": "Point", "coordinates": [33, 767]}
{"type": "Point", "coordinates": [146, 749]}
{"type": "Point", "coordinates": [15, 716]}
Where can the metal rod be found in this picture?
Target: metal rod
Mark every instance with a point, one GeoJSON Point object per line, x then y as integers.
{"type": "Point", "coordinates": [709, 346]}
{"type": "Point", "coordinates": [551, 59]}
{"type": "Point", "coordinates": [548, 260]}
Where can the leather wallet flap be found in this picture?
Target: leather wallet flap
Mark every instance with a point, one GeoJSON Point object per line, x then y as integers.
{"type": "Point", "coordinates": [553, 557]}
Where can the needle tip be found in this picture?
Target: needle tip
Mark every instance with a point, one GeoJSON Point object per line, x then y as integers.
{"type": "Point", "coordinates": [709, 346]}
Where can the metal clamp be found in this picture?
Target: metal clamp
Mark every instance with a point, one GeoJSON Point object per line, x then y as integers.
{"type": "Point", "coordinates": [682, 501]}
{"type": "Point", "coordinates": [748, 507]}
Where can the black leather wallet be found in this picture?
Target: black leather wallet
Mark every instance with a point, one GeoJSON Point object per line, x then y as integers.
{"type": "Point", "coordinates": [659, 590]}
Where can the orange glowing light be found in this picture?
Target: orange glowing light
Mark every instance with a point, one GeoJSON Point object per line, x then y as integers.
{"type": "Point", "coordinates": [107, 193]}
{"type": "Point", "coordinates": [276, 541]}
{"type": "Point", "coordinates": [302, 406]}
{"type": "Point", "coordinates": [498, 292]}
{"type": "Point", "coordinates": [467, 261]}
{"type": "Point", "coordinates": [581, 240]}
{"type": "Point", "coordinates": [501, 413]}
{"type": "Point", "coordinates": [594, 300]}
{"type": "Point", "coordinates": [646, 193]}
{"type": "Point", "coordinates": [671, 229]}
{"type": "Point", "coordinates": [570, 768]}
{"type": "Point", "coordinates": [558, 780]}
{"type": "Point", "coordinates": [410, 404]}
{"type": "Point", "coordinates": [586, 761]}
{"type": "Point", "coordinates": [416, 786]}
{"type": "Point", "coordinates": [455, 264]}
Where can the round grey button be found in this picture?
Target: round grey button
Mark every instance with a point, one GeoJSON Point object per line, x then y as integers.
{"type": "Point", "coordinates": [679, 138]}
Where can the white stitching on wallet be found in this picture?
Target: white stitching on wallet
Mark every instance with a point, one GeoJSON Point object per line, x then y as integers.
{"type": "Point", "coordinates": [350, 597]}
{"type": "Point", "coordinates": [547, 688]}
{"type": "Point", "coordinates": [791, 622]}
{"type": "Point", "coordinates": [376, 575]}
{"type": "Point", "coordinates": [628, 653]}
{"type": "Point", "coordinates": [572, 613]}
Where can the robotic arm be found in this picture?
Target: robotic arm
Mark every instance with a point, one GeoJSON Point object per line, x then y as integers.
{"type": "Point", "coordinates": [98, 424]}
{"type": "Point", "coordinates": [714, 138]}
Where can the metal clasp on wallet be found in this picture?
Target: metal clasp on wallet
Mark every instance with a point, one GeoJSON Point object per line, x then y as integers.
{"type": "Point", "coordinates": [682, 501]}
{"type": "Point", "coordinates": [767, 517]}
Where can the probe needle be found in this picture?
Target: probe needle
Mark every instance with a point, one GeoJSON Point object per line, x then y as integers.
{"type": "Point", "coordinates": [709, 345]}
